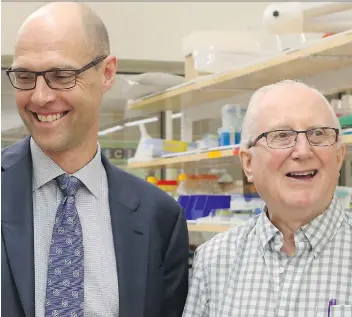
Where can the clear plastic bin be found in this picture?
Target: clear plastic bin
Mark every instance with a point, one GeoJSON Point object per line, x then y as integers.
{"type": "Point", "coordinates": [207, 184]}
{"type": "Point", "coordinates": [220, 51]}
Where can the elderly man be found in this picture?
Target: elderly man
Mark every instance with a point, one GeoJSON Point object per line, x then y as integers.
{"type": "Point", "coordinates": [296, 256]}
{"type": "Point", "coordinates": [80, 237]}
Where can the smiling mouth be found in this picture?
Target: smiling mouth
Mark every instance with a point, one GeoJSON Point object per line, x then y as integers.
{"type": "Point", "coordinates": [50, 117]}
{"type": "Point", "coordinates": [302, 175]}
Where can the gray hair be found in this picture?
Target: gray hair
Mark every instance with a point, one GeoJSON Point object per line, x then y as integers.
{"type": "Point", "coordinates": [97, 37]}
{"type": "Point", "coordinates": [249, 130]}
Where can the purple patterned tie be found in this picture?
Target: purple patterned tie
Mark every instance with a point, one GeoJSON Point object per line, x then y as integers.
{"type": "Point", "coordinates": [65, 280]}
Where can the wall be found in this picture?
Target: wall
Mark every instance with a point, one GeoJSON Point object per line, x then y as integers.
{"type": "Point", "coordinates": [148, 30]}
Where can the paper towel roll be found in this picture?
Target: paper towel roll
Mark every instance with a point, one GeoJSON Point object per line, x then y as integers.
{"type": "Point", "coordinates": [300, 17]}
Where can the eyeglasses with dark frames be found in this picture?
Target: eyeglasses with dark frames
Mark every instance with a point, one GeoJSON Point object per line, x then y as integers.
{"type": "Point", "coordinates": [57, 79]}
{"type": "Point", "coordinates": [282, 139]}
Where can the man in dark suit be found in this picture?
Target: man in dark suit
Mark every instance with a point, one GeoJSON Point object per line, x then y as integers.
{"type": "Point", "coordinates": [79, 236]}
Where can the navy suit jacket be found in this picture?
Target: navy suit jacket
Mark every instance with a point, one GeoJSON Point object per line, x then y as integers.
{"type": "Point", "coordinates": [149, 231]}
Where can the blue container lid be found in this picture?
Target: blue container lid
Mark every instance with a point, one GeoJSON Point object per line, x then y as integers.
{"type": "Point", "coordinates": [257, 211]}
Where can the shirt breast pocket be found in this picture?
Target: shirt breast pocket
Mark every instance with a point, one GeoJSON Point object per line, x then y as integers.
{"type": "Point", "coordinates": [341, 311]}
{"type": "Point", "coordinates": [335, 311]}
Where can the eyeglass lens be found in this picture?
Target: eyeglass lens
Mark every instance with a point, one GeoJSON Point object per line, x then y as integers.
{"type": "Point", "coordinates": [318, 137]}
{"type": "Point", "coordinates": [55, 79]}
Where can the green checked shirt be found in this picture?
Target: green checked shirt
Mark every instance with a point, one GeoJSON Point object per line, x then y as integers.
{"type": "Point", "coordinates": [243, 273]}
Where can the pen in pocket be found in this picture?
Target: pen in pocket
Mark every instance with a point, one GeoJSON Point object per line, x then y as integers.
{"type": "Point", "coordinates": [332, 302]}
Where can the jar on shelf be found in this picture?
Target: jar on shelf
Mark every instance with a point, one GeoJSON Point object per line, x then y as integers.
{"type": "Point", "coordinates": [152, 180]}
{"type": "Point", "coordinates": [184, 184]}
{"type": "Point", "coordinates": [207, 184]}
{"type": "Point", "coordinates": [168, 186]}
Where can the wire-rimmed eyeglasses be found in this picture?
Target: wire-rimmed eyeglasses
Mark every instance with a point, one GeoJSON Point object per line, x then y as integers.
{"type": "Point", "coordinates": [23, 79]}
{"type": "Point", "coordinates": [282, 139]}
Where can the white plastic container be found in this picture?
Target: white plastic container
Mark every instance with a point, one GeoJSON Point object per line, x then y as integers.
{"type": "Point", "coordinates": [220, 51]}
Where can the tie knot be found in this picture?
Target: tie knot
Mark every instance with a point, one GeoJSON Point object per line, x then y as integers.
{"type": "Point", "coordinates": [69, 185]}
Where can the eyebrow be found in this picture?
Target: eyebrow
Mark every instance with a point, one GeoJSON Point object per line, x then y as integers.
{"type": "Point", "coordinates": [280, 126]}
{"type": "Point", "coordinates": [63, 67]}
{"type": "Point", "coordinates": [60, 67]}
{"type": "Point", "coordinates": [18, 68]}
{"type": "Point", "coordinates": [288, 127]}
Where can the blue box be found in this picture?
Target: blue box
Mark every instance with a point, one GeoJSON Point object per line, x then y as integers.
{"type": "Point", "coordinates": [199, 206]}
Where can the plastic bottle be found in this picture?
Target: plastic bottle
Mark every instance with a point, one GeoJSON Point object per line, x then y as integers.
{"type": "Point", "coordinates": [232, 118]}
{"type": "Point", "coordinates": [239, 116]}
{"type": "Point", "coordinates": [228, 118]}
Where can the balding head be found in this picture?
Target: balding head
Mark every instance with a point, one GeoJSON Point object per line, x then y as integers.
{"type": "Point", "coordinates": [61, 76]}
{"type": "Point", "coordinates": [96, 34]}
{"type": "Point", "coordinates": [292, 159]}
{"type": "Point", "coordinates": [71, 20]}
{"type": "Point", "coordinates": [278, 93]}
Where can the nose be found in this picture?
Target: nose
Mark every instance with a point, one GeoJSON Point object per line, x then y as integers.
{"type": "Point", "coordinates": [302, 149]}
{"type": "Point", "coordinates": [42, 93]}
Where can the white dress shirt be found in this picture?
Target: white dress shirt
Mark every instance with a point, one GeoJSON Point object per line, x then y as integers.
{"type": "Point", "coordinates": [101, 297]}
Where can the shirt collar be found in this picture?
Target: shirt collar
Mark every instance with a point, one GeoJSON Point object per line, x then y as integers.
{"type": "Point", "coordinates": [318, 232]}
{"type": "Point", "coordinates": [321, 229]}
{"type": "Point", "coordinates": [45, 170]}
{"type": "Point", "coordinates": [265, 230]}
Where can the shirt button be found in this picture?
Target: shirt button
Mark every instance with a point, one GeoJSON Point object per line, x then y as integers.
{"type": "Point", "coordinates": [281, 270]}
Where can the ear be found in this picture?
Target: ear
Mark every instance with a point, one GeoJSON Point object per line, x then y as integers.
{"type": "Point", "coordinates": [246, 161]}
{"type": "Point", "coordinates": [109, 72]}
{"type": "Point", "coordinates": [341, 151]}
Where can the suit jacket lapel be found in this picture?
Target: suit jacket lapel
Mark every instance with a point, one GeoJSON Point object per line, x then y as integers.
{"type": "Point", "coordinates": [17, 222]}
{"type": "Point", "coordinates": [131, 240]}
